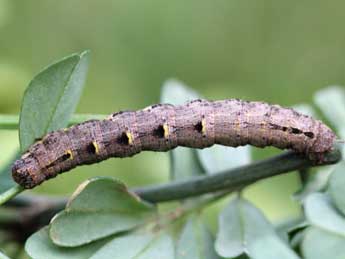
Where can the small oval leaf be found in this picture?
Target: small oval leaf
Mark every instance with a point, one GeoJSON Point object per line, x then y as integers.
{"type": "Point", "coordinates": [195, 241]}
{"type": "Point", "coordinates": [219, 158]}
{"type": "Point", "coordinates": [316, 183]}
{"type": "Point", "coordinates": [138, 246]}
{"type": "Point", "coordinates": [321, 244]}
{"type": "Point", "coordinates": [51, 98]}
{"type": "Point", "coordinates": [244, 229]}
{"type": "Point", "coordinates": [336, 186]}
{"type": "Point", "coordinates": [3, 256]}
{"type": "Point", "coordinates": [99, 207]}
{"type": "Point", "coordinates": [334, 110]}
{"type": "Point", "coordinates": [320, 212]}
{"type": "Point", "coordinates": [39, 246]}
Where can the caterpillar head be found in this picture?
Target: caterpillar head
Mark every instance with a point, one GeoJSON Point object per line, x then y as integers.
{"type": "Point", "coordinates": [26, 171]}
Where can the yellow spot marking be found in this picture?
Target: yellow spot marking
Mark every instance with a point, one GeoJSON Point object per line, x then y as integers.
{"type": "Point", "coordinates": [166, 130]}
{"type": "Point", "coordinates": [130, 137]}
{"type": "Point", "coordinates": [237, 125]}
{"type": "Point", "coordinates": [65, 129]}
{"type": "Point", "coordinates": [95, 145]}
{"type": "Point", "coordinates": [69, 152]}
{"type": "Point", "coordinates": [203, 126]}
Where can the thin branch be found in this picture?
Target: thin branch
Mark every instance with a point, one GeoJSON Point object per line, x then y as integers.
{"type": "Point", "coordinates": [11, 122]}
{"type": "Point", "coordinates": [10, 193]}
{"type": "Point", "coordinates": [232, 179]}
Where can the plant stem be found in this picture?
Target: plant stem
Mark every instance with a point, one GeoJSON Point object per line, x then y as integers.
{"type": "Point", "coordinates": [232, 179]}
{"type": "Point", "coordinates": [10, 193]}
{"type": "Point", "coordinates": [11, 122]}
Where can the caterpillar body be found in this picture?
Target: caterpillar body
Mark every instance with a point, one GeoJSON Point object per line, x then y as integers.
{"type": "Point", "coordinates": [162, 127]}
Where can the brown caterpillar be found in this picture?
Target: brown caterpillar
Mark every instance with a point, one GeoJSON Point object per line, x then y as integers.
{"type": "Point", "coordinates": [162, 127]}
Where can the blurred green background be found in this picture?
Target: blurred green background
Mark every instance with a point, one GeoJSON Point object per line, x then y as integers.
{"type": "Point", "coordinates": [275, 51]}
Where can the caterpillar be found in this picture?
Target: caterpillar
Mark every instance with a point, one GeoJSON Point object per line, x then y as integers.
{"type": "Point", "coordinates": [161, 127]}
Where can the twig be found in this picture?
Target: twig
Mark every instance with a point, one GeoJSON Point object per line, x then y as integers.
{"type": "Point", "coordinates": [11, 122]}
{"type": "Point", "coordinates": [232, 179]}
{"type": "Point", "coordinates": [10, 193]}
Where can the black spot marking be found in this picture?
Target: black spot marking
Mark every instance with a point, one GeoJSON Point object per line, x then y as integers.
{"type": "Point", "coordinates": [61, 159]}
{"type": "Point", "coordinates": [123, 139]}
{"type": "Point", "coordinates": [91, 148]}
{"type": "Point", "coordinates": [65, 156]}
{"type": "Point", "coordinates": [196, 101]}
{"type": "Point", "coordinates": [295, 131]}
{"type": "Point", "coordinates": [159, 131]}
{"type": "Point", "coordinates": [120, 112]}
{"type": "Point", "coordinates": [309, 134]}
{"type": "Point", "coordinates": [284, 128]}
{"type": "Point", "coordinates": [198, 127]}
{"type": "Point", "coordinates": [156, 105]}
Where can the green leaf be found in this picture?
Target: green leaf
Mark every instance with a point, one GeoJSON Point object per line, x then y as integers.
{"type": "Point", "coordinates": [297, 239]}
{"type": "Point", "coordinates": [3, 256]}
{"type": "Point", "coordinates": [219, 158]}
{"type": "Point", "coordinates": [51, 98]}
{"type": "Point", "coordinates": [243, 228]}
{"type": "Point", "coordinates": [320, 212]}
{"type": "Point", "coordinates": [177, 93]}
{"type": "Point", "coordinates": [316, 183]}
{"type": "Point", "coordinates": [321, 244]}
{"type": "Point", "coordinates": [195, 242]}
{"type": "Point", "coordinates": [39, 246]}
{"type": "Point", "coordinates": [290, 227]}
{"type": "Point", "coordinates": [334, 110]}
{"type": "Point", "coordinates": [184, 161]}
{"type": "Point", "coordinates": [336, 186]}
{"type": "Point", "coordinates": [305, 109]}
{"type": "Point", "coordinates": [100, 207]}
{"type": "Point", "coordinates": [138, 245]}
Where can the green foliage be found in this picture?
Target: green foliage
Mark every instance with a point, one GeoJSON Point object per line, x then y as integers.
{"type": "Point", "coordinates": [322, 196]}
{"type": "Point", "coordinates": [334, 110]}
{"type": "Point", "coordinates": [195, 241]}
{"type": "Point", "coordinates": [336, 186]}
{"type": "Point", "coordinates": [48, 103]}
{"type": "Point", "coordinates": [100, 207]}
{"type": "Point", "coordinates": [103, 219]}
{"type": "Point", "coordinates": [51, 98]}
{"type": "Point", "coordinates": [321, 244]}
{"type": "Point", "coordinates": [2, 256]}
{"type": "Point", "coordinates": [244, 229]}
{"type": "Point", "coordinates": [39, 246]}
